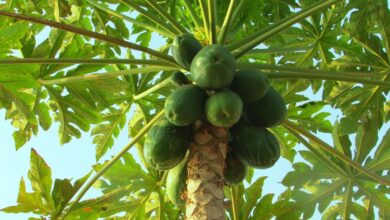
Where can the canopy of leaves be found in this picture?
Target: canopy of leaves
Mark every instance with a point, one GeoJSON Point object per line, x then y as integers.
{"type": "Point", "coordinates": [89, 65]}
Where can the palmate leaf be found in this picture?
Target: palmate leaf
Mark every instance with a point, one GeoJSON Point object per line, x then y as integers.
{"type": "Point", "coordinates": [70, 112]}
{"type": "Point", "coordinates": [248, 199]}
{"type": "Point", "coordinates": [104, 134]}
{"type": "Point", "coordinates": [10, 36]}
{"type": "Point", "coordinates": [126, 187]}
{"type": "Point", "coordinates": [27, 202]}
{"type": "Point", "coordinates": [17, 96]}
{"type": "Point", "coordinates": [309, 115]}
{"type": "Point", "coordinates": [325, 173]}
{"type": "Point", "coordinates": [46, 199]}
{"type": "Point", "coordinates": [358, 101]}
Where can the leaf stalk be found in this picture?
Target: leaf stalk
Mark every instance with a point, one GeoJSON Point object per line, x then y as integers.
{"type": "Point", "coordinates": [327, 148]}
{"type": "Point", "coordinates": [101, 76]}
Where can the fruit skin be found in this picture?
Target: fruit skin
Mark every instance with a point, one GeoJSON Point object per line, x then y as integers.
{"type": "Point", "coordinates": [250, 84]}
{"type": "Point", "coordinates": [213, 68]}
{"type": "Point", "coordinates": [235, 171]}
{"type": "Point", "coordinates": [185, 105]}
{"type": "Point", "coordinates": [184, 48]}
{"type": "Point", "coordinates": [166, 144]}
{"type": "Point", "coordinates": [223, 109]}
{"type": "Point", "coordinates": [268, 111]}
{"type": "Point", "coordinates": [176, 183]}
{"type": "Point", "coordinates": [254, 146]}
{"type": "Point", "coordinates": [178, 79]}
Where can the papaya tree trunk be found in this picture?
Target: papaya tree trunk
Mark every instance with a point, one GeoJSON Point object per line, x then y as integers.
{"type": "Point", "coordinates": [205, 197]}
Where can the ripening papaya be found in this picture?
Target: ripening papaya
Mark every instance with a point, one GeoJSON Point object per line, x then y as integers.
{"type": "Point", "coordinates": [254, 146]}
{"type": "Point", "coordinates": [224, 109]}
{"type": "Point", "coordinates": [268, 111]}
{"type": "Point", "coordinates": [250, 84]}
{"type": "Point", "coordinates": [185, 105]}
{"type": "Point", "coordinates": [213, 67]}
{"type": "Point", "coordinates": [166, 144]}
{"type": "Point", "coordinates": [184, 49]}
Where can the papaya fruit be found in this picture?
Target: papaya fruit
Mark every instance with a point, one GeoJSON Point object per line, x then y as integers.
{"type": "Point", "coordinates": [185, 105]}
{"type": "Point", "coordinates": [268, 111]}
{"type": "Point", "coordinates": [166, 144]}
{"type": "Point", "coordinates": [235, 171]}
{"type": "Point", "coordinates": [254, 146]}
{"type": "Point", "coordinates": [250, 84]}
{"type": "Point", "coordinates": [223, 109]}
{"type": "Point", "coordinates": [178, 79]}
{"type": "Point", "coordinates": [176, 183]}
{"type": "Point", "coordinates": [184, 48]}
{"type": "Point", "coordinates": [213, 67]}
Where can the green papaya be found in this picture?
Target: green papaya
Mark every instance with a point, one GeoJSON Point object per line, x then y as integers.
{"type": "Point", "coordinates": [185, 105]}
{"type": "Point", "coordinates": [213, 67]}
{"type": "Point", "coordinates": [268, 111]}
{"type": "Point", "coordinates": [250, 84]}
{"type": "Point", "coordinates": [176, 183]}
{"type": "Point", "coordinates": [178, 79]}
{"type": "Point", "coordinates": [184, 49]}
{"type": "Point", "coordinates": [166, 144]}
{"type": "Point", "coordinates": [223, 109]}
{"type": "Point", "coordinates": [235, 171]}
{"type": "Point", "coordinates": [254, 146]}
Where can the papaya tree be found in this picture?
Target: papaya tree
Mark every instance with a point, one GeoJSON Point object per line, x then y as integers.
{"type": "Point", "coordinates": [213, 92]}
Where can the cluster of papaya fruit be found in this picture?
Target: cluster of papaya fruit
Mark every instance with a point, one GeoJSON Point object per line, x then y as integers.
{"type": "Point", "coordinates": [241, 100]}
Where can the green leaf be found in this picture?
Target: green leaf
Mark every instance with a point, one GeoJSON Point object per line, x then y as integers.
{"type": "Point", "coordinates": [340, 140]}
{"type": "Point", "coordinates": [104, 134]}
{"type": "Point", "coordinates": [20, 138]}
{"type": "Point", "coordinates": [381, 158]}
{"type": "Point", "coordinates": [310, 117]}
{"type": "Point", "coordinates": [252, 194]}
{"type": "Point", "coordinates": [18, 76]}
{"type": "Point", "coordinates": [366, 138]}
{"type": "Point", "coordinates": [264, 208]}
{"type": "Point", "coordinates": [10, 36]}
{"type": "Point", "coordinates": [44, 117]}
{"type": "Point", "coordinates": [27, 202]}
{"type": "Point", "coordinates": [71, 112]}
{"type": "Point", "coordinates": [40, 176]}
{"type": "Point", "coordinates": [63, 191]}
